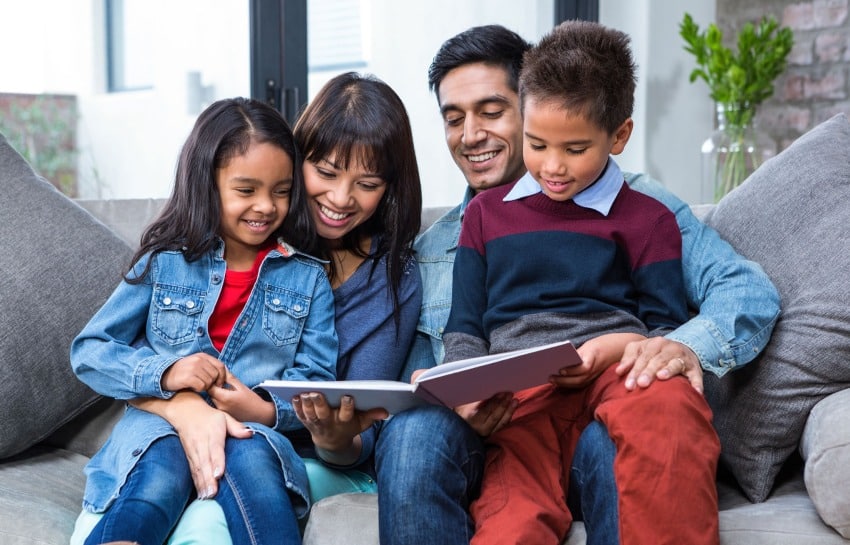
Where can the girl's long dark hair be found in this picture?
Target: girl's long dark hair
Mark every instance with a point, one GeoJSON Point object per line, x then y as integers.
{"type": "Point", "coordinates": [360, 118]}
{"type": "Point", "coordinates": [190, 220]}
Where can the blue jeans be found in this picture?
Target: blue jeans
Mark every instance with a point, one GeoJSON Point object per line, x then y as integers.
{"type": "Point", "coordinates": [252, 494]}
{"type": "Point", "coordinates": [429, 464]}
{"type": "Point", "coordinates": [152, 499]}
{"type": "Point", "coordinates": [593, 495]}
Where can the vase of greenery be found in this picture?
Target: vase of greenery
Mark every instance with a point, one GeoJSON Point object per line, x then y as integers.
{"type": "Point", "coordinates": [738, 82]}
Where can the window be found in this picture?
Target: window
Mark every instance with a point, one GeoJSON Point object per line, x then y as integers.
{"type": "Point", "coordinates": [128, 48]}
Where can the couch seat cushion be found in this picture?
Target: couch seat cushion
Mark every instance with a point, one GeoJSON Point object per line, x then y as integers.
{"type": "Point", "coordinates": [41, 494]}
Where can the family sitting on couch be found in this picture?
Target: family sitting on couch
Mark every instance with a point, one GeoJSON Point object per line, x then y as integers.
{"type": "Point", "coordinates": [227, 238]}
{"type": "Point", "coordinates": [313, 266]}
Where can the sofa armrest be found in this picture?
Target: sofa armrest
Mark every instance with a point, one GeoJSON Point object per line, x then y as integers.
{"type": "Point", "coordinates": [825, 446]}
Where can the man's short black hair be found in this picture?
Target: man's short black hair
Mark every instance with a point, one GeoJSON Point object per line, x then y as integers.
{"type": "Point", "coordinates": [490, 44]}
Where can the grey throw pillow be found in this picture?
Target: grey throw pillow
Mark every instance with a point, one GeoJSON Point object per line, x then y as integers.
{"type": "Point", "coordinates": [792, 216]}
{"type": "Point", "coordinates": [57, 266]}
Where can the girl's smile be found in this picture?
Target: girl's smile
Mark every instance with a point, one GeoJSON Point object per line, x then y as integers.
{"type": "Point", "coordinates": [254, 189]}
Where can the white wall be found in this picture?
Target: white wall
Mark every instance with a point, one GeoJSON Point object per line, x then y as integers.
{"type": "Point", "coordinates": [129, 141]}
{"type": "Point", "coordinates": [672, 116]}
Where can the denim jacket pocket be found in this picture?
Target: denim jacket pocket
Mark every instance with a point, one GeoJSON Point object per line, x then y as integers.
{"type": "Point", "coordinates": [176, 313]}
{"type": "Point", "coordinates": [284, 314]}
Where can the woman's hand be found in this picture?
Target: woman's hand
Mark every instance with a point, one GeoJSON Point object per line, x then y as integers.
{"type": "Point", "coordinates": [335, 432]}
{"type": "Point", "coordinates": [202, 431]}
{"type": "Point", "coordinates": [659, 358]}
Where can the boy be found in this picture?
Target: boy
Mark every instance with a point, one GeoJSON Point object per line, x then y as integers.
{"type": "Point", "coordinates": [586, 258]}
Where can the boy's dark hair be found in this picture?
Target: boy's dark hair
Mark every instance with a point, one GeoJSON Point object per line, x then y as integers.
{"type": "Point", "coordinates": [359, 117]}
{"type": "Point", "coordinates": [191, 217]}
{"type": "Point", "coordinates": [491, 44]}
{"type": "Point", "coordinates": [587, 68]}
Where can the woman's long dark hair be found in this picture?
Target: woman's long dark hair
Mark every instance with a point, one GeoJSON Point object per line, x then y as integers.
{"type": "Point", "coordinates": [360, 118]}
{"type": "Point", "coordinates": [191, 218]}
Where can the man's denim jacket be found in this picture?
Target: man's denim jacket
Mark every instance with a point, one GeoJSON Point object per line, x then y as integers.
{"type": "Point", "coordinates": [736, 302]}
{"type": "Point", "coordinates": [285, 331]}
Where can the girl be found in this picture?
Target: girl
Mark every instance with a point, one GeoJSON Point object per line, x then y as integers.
{"type": "Point", "coordinates": [362, 182]}
{"type": "Point", "coordinates": [217, 300]}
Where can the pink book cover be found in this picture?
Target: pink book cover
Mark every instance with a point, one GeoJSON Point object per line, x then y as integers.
{"type": "Point", "coordinates": [475, 379]}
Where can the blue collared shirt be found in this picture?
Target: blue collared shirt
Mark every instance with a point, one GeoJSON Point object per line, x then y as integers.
{"type": "Point", "coordinates": [599, 195]}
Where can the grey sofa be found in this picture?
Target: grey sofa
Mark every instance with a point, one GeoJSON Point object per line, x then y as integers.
{"type": "Point", "coordinates": [59, 260]}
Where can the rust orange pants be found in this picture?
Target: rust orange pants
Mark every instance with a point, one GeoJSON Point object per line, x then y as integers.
{"type": "Point", "coordinates": [665, 467]}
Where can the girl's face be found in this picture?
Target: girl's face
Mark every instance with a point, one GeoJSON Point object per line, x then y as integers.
{"type": "Point", "coordinates": [341, 199]}
{"type": "Point", "coordinates": [254, 189]}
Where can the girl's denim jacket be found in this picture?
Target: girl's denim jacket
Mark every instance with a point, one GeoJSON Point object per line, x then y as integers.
{"type": "Point", "coordinates": [285, 331]}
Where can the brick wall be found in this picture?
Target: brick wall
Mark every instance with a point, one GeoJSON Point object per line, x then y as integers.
{"type": "Point", "coordinates": [816, 84]}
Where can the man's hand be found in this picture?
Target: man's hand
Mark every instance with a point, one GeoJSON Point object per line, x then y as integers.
{"type": "Point", "coordinates": [659, 358]}
{"type": "Point", "coordinates": [489, 416]}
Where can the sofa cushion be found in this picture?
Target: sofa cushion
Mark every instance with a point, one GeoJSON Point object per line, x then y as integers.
{"type": "Point", "coordinates": [57, 266]}
{"type": "Point", "coordinates": [41, 493]}
{"type": "Point", "coordinates": [791, 217]}
{"type": "Point", "coordinates": [826, 448]}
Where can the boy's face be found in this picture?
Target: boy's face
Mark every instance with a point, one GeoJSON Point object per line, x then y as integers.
{"type": "Point", "coordinates": [482, 123]}
{"type": "Point", "coordinates": [564, 151]}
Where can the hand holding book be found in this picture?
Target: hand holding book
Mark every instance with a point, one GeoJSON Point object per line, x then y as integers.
{"type": "Point", "coordinates": [450, 384]}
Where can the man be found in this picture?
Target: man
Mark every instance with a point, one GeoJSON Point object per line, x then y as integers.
{"type": "Point", "coordinates": [430, 460]}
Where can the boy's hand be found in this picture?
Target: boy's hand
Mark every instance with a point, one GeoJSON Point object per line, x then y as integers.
{"type": "Point", "coordinates": [489, 416]}
{"type": "Point", "coordinates": [241, 402]}
{"type": "Point", "coordinates": [659, 358]}
{"type": "Point", "coordinates": [597, 354]}
{"type": "Point", "coordinates": [198, 372]}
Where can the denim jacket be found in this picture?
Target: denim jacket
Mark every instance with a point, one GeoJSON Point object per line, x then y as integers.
{"type": "Point", "coordinates": [285, 331]}
{"type": "Point", "coordinates": [736, 302]}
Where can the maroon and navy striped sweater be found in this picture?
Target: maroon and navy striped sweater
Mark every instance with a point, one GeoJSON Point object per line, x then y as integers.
{"type": "Point", "coordinates": [534, 271]}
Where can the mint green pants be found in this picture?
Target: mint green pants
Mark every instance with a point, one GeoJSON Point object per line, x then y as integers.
{"type": "Point", "coordinates": [203, 521]}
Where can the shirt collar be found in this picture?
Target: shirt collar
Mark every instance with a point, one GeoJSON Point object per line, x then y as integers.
{"type": "Point", "coordinates": [598, 196]}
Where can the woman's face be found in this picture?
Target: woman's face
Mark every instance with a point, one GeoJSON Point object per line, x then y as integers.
{"type": "Point", "coordinates": [341, 199]}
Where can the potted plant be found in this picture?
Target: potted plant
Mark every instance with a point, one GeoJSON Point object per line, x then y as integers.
{"type": "Point", "coordinates": [738, 82]}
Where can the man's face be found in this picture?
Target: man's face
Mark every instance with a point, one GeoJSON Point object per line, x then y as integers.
{"type": "Point", "coordinates": [483, 125]}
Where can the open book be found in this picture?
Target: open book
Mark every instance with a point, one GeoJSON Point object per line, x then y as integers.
{"type": "Point", "coordinates": [449, 384]}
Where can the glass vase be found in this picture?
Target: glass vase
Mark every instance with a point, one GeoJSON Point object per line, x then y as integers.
{"type": "Point", "coordinates": [731, 154]}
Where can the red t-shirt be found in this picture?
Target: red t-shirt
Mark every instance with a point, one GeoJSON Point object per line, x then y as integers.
{"type": "Point", "coordinates": [234, 294]}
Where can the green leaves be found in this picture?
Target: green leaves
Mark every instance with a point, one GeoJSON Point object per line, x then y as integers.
{"type": "Point", "coordinates": [744, 79]}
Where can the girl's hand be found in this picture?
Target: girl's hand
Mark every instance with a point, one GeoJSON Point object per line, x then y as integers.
{"type": "Point", "coordinates": [198, 372]}
{"type": "Point", "coordinates": [202, 431]}
{"type": "Point", "coordinates": [241, 402]}
{"type": "Point", "coordinates": [335, 432]}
